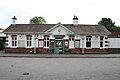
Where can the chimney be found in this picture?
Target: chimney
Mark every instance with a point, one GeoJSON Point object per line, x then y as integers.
{"type": "Point", "coordinates": [14, 18]}
{"type": "Point", "coordinates": [75, 21]}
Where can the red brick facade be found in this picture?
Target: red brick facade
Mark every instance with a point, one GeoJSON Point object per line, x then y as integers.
{"type": "Point", "coordinates": [19, 50]}
{"type": "Point", "coordinates": [41, 50]}
{"type": "Point", "coordinates": [45, 51]}
{"type": "Point", "coordinates": [96, 50]}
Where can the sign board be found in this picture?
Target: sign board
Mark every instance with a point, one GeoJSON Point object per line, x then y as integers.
{"type": "Point", "coordinates": [40, 43]}
{"type": "Point", "coordinates": [59, 36]}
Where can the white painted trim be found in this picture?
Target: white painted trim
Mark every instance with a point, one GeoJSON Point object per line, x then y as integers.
{"type": "Point", "coordinates": [88, 47]}
{"type": "Point", "coordinates": [46, 47]}
{"type": "Point", "coordinates": [58, 26]}
{"type": "Point", "coordinates": [102, 48]}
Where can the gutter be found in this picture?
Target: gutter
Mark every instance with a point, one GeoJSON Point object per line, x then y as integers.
{"type": "Point", "coordinates": [22, 32]}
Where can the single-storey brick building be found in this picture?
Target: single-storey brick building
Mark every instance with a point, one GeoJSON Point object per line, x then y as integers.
{"type": "Point", "coordinates": [56, 38]}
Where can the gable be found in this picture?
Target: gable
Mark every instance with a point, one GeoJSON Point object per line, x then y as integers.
{"type": "Point", "coordinates": [59, 29]}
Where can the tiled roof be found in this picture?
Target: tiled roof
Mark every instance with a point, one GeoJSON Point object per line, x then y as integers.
{"type": "Point", "coordinates": [114, 35]}
{"type": "Point", "coordinates": [79, 29]}
{"type": "Point", "coordinates": [88, 29]}
{"type": "Point", "coordinates": [1, 29]}
{"type": "Point", "coordinates": [29, 27]}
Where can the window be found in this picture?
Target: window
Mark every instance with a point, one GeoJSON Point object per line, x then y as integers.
{"type": "Point", "coordinates": [77, 44]}
{"type": "Point", "coordinates": [46, 41]}
{"type": "Point", "coordinates": [29, 41]}
{"type": "Point", "coordinates": [6, 40]}
{"type": "Point", "coordinates": [66, 44]}
{"type": "Point", "coordinates": [14, 41]}
{"type": "Point", "coordinates": [88, 41]}
{"type": "Point", "coordinates": [106, 37]}
{"type": "Point", "coordinates": [59, 43]}
{"type": "Point", "coordinates": [71, 42]}
{"type": "Point", "coordinates": [71, 38]}
{"type": "Point", "coordinates": [101, 41]}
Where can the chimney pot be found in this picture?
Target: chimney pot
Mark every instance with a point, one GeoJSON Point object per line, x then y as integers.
{"type": "Point", "coordinates": [75, 21]}
{"type": "Point", "coordinates": [14, 18]}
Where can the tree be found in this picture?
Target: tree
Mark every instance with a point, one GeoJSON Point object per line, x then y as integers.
{"type": "Point", "coordinates": [37, 20]}
{"type": "Point", "coordinates": [107, 22]}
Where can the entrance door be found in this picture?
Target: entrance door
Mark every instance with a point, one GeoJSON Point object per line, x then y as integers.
{"type": "Point", "coordinates": [58, 47]}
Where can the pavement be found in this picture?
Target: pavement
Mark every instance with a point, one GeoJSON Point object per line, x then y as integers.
{"type": "Point", "coordinates": [59, 68]}
{"type": "Point", "coordinates": [27, 55]}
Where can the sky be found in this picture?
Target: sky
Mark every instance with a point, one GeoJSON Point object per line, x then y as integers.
{"type": "Point", "coordinates": [55, 11]}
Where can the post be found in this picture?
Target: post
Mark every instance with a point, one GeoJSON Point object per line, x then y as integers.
{"type": "Point", "coordinates": [35, 37]}
{"type": "Point", "coordinates": [82, 45]}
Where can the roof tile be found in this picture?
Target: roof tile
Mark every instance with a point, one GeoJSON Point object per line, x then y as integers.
{"type": "Point", "coordinates": [79, 29]}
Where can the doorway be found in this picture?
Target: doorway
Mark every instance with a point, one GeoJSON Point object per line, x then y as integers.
{"type": "Point", "coordinates": [58, 47]}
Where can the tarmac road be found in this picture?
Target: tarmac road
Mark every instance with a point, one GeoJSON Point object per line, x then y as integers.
{"type": "Point", "coordinates": [59, 68]}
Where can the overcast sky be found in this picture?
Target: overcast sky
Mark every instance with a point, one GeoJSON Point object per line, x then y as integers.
{"type": "Point", "coordinates": [54, 11]}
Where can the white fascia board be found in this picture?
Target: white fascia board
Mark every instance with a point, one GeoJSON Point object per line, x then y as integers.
{"type": "Point", "coordinates": [23, 32]}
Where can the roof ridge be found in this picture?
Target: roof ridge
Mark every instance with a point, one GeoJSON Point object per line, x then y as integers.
{"type": "Point", "coordinates": [62, 24]}
{"type": "Point", "coordinates": [35, 24]}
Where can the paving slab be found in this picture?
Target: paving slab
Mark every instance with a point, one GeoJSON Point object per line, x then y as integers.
{"type": "Point", "coordinates": [27, 55]}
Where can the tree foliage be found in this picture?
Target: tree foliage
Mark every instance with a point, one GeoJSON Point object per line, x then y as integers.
{"type": "Point", "coordinates": [109, 24]}
{"type": "Point", "coordinates": [37, 20]}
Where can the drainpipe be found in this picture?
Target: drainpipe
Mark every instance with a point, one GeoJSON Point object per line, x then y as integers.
{"type": "Point", "coordinates": [82, 45]}
{"type": "Point", "coordinates": [35, 37]}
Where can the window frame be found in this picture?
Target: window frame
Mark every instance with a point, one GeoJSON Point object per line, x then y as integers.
{"type": "Point", "coordinates": [77, 43]}
{"type": "Point", "coordinates": [101, 41]}
{"type": "Point", "coordinates": [66, 43]}
{"type": "Point", "coordinates": [72, 40]}
{"type": "Point", "coordinates": [46, 42]}
{"type": "Point", "coordinates": [29, 41]}
{"type": "Point", "coordinates": [88, 41]}
{"type": "Point", "coordinates": [14, 40]}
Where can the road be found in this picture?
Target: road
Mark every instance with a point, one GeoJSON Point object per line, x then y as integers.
{"type": "Point", "coordinates": [59, 68]}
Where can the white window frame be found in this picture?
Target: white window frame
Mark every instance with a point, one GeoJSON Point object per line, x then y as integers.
{"type": "Point", "coordinates": [14, 41]}
{"type": "Point", "coordinates": [101, 41]}
{"type": "Point", "coordinates": [46, 42]}
{"type": "Point", "coordinates": [71, 41]}
{"type": "Point", "coordinates": [77, 43]}
{"type": "Point", "coordinates": [28, 41]}
{"type": "Point", "coordinates": [89, 39]}
{"type": "Point", "coordinates": [71, 38]}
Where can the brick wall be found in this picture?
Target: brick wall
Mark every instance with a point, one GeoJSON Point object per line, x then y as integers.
{"type": "Point", "coordinates": [44, 51]}
{"type": "Point", "coordinates": [96, 50]}
{"type": "Point", "coordinates": [93, 50]}
{"type": "Point", "coordinates": [19, 50]}
{"type": "Point", "coordinates": [114, 50]}
{"type": "Point", "coordinates": [76, 51]}
{"type": "Point", "coordinates": [41, 50]}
